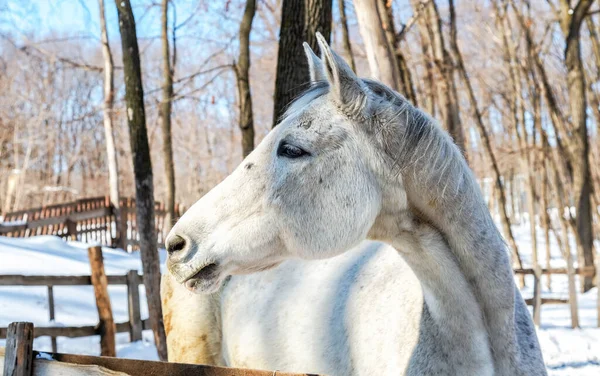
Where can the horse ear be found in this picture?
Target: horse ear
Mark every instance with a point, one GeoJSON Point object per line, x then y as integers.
{"type": "Point", "coordinates": [315, 65]}
{"type": "Point", "coordinates": [349, 90]}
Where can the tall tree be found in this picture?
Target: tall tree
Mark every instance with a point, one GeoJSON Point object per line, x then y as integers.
{"type": "Point", "coordinates": [346, 34]}
{"type": "Point", "coordinates": [442, 64]}
{"type": "Point", "coordinates": [382, 61]}
{"type": "Point", "coordinates": [516, 95]}
{"type": "Point", "coordinates": [142, 168]}
{"type": "Point", "coordinates": [242, 71]}
{"type": "Point", "coordinates": [405, 83]}
{"type": "Point", "coordinates": [107, 113]}
{"type": "Point", "coordinates": [165, 115]}
{"type": "Point", "coordinates": [571, 19]}
{"type": "Point", "coordinates": [487, 146]}
{"type": "Point", "coordinates": [300, 21]}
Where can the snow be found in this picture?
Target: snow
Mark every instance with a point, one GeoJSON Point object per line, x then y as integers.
{"type": "Point", "coordinates": [566, 351]}
{"type": "Point", "coordinates": [74, 305]}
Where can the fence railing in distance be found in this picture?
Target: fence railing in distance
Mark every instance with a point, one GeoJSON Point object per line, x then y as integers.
{"type": "Point", "coordinates": [87, 220]}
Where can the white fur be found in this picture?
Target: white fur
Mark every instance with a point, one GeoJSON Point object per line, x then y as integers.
{"type": "Point", "coordinates": [376, 168]}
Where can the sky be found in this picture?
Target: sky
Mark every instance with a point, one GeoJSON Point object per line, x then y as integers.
{"type": "Point", "coordinates": [36, 20]}
{"type": "Point", "coordinates": [71, 17]}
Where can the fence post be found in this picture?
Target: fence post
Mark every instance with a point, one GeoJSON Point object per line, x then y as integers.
{"type": "Point", "coordinates": [123, 214]}
{"type": "Point", "coordinates": [598, 284]}
{"type": "Point", "coordinates": [133, 304]}
{"type": "Point", "coordinates": [106, 325]}
{"type": "Point", "coordinates": [572, 290]}
{"type": "Point", "coordinates": [18, 358]}
{"type": "Point", "coordinates": [71, 229]}
{"type": "Point", "coordinates": [537, 295]}
{"type": "Point", "coordinates": [51, 314]}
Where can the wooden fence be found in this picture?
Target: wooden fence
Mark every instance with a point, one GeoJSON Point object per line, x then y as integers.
{"type": "Point", "coordinates": [537, 301]}
{"type": "Point", "coordinates": [19, 359]}
{"type": "Point", "coordinates": [100, 281]}
{"type": "Point", "coordinates": [87, 220]}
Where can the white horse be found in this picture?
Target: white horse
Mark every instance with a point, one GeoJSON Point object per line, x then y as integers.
{"type": "Point", "coordinates": [351, 160]}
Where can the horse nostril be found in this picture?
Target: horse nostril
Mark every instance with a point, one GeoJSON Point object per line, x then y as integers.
{"type": "Point", "coordinates": [175, 244]}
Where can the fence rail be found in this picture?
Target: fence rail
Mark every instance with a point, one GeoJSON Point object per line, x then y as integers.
{"type": "Point", "coordinates": [87, 220]}
{"type": "Point", "coordinates": [132, 280]}
{"type": "Point", "coordinates": [18, 358]}
{"type": "Point", "coordinates": [536, 301]}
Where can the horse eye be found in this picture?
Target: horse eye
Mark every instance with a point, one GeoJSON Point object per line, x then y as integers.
{"type": "Point", "coordinates": [290, 151]}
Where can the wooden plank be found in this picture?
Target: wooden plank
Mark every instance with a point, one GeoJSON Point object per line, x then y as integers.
{"type": "Point", "coordinates": [107, 323]}
{"type": "Point", "coordinates": [585, 271]}
{"type": "Point", "coordinates": [74, 331]}
{"type": "Point", "coordinates": [133, 304]}
{"type": "Point", "coordinates": [548, 301]}
{"type": "Point", "coordinates": [598, 286]}
{"type": "Point", "coordinates": [18, 360]}
{"type": "Point", "coordinates": [59, 280]}
{"type": "Point", "coordinates": [51, 315]}
{"type": "Point", "coordinates": [537, 296]}
{"type": "Point", "coordinates": [4, 229]}
{"type": "Point", "coordinates": [152, 368]}
{"type": "Point", "coordinates": [43, 367]}
{"type": "Point", "coordinates": [47, 221]}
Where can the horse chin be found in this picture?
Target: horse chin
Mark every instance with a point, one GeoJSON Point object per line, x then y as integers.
{"type": "Point", "coordinates": [207, 280]}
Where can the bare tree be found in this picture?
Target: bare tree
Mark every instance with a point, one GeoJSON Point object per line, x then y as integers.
{"type": "Point", "coordinates": [487, 145]}
{"type": "Point", "coordinates": [382, 61]}
{"type": "Point", "coordinates": [442, 63]}
{"type": "Point", "coordinates": [165, 116]}
{"type": "Point", "coordinates": [578, 144]}
{"type": "Point", "coordinates": [573, 139]}
{"type": "Point", "coordinates": [242, 71]}
{"type": "Point", "coordinates": [107, 113]}
{"type": "Point", "coordinates": [405, 83]}
{"type": "Point", "coordinates": [300, 21]}
{"type": "Point", "coordinates": [346, 34]}
{"type": "Point", "coordinates": [142, 165]}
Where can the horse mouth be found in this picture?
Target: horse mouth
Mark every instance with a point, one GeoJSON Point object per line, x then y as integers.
{"type": "Point", "coordinates": [205, 280]}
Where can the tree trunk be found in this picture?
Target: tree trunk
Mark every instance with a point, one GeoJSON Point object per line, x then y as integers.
{"type": "Point", "coordinates": [566, 250]}
{"type": "Point", "coordinates": [300, 21]}
{"type": "Point", "coordinates": [165, 117]}
{"type": "Point", "coordinates": [107, 109]}
{"type": "Point", "coordinates": [448, 96]}
{"type": "Point", "coordinates": [429, 85]}
{"type": "Point", "coordinates": [242, 70]}
{"type": "Point", "coordinates": [382, 61]}
{"type": "Point", "coordinates": [346, 35]}
{"type": "Point", "coordinates": [142, 167]}
{"type": "Point", "coordinates": [405, 83]}
{"type": "Point", "coordinates": [582, 183]}
{"type": "Point", "coordinates": [487, 145]}
{"type": "Point", "coordinates": [545, 219]}
{"type": "Point", "coordinates": [518, 109]}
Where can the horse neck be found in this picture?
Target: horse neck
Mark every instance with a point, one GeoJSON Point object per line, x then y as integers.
{"type": "Point", "coordinates": [442, 190]}
{"type": "Point", "coordinates": [450, 301]}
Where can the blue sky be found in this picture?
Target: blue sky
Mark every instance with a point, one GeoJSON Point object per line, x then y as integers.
{"type": "Point", "coordinates": [37, 19]}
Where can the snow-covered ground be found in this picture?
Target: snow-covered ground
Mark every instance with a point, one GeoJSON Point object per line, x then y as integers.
{"type": "Point", "coordinates": [74, 305]}
{"type": "Point", "coordinates": [566, 351]}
